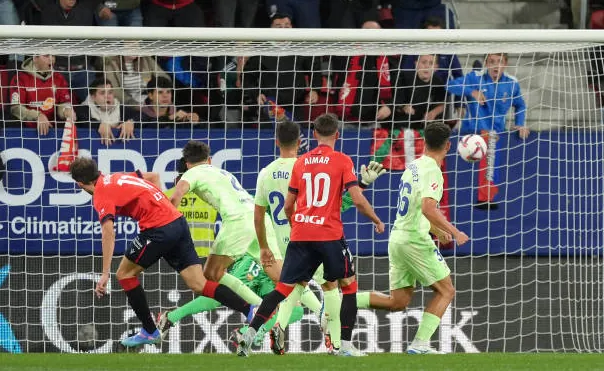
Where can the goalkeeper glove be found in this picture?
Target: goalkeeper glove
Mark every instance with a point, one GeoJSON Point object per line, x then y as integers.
{"type": "Point", "coordinates": [370, 173]}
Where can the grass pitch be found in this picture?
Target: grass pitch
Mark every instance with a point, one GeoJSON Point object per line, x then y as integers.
{"type": "Point", "coordinates": [291, 362]}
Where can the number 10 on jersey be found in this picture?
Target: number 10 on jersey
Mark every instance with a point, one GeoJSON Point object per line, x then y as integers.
{"type": "Point", "coordinates": [316, 195]}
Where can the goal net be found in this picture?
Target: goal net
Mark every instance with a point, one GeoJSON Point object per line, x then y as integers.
{"type": "Point", "coordinates": [530, 279]}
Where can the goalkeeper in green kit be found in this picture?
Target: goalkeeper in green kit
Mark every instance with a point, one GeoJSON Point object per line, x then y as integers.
{"type": "Point", "coordinates": [251, 274]}
{"type": "Point", "coordinates": [271, 190]}
{"type": "Point", "coordinates": [268, 198]}
{"type": "Point", "coordinates": [245, 271]}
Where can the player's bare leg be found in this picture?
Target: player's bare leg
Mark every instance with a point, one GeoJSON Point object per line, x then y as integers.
{"type": "Point", "coordinates": [398, 299]}
{"type": "Point", "coordinates": [273, 271]}
{"type": "Point", "coordinates": [215, 270]}
{"type": "Point", "coordinates": [216, 266]}
{"type": "Point", "coordinates": [127, 275]}
{"type": "Point", "coordinates": [444, 292]}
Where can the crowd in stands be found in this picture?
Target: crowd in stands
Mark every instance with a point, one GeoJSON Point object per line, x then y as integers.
{"type": "Point", "coordinates": [117, 95]}
{"type": "Point", "coordinates": [232, 90]}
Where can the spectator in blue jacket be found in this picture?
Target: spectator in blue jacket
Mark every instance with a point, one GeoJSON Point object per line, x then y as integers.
{"type": "Point", "coordinates": [490, 94]}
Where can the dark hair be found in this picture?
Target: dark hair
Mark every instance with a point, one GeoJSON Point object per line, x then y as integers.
{"type": "Point", "coordinates": [84, 170]}
{"type": "Point", "coordinates": [433, 22]}
{"type": "Point", "coordinates": [436, 135]}
{"type": "Point", "coordinates": [327, 124]}
{"type": "Point", "coordinates": [181, 166]}
{"type": "Point", "coordinates": [287, 133]}
{"type": "Point", "coordinates": [96, 84]}
{"type": "Point", "coordinates": [195, 152]}
{"type": "Point", "coordinates": [158, 83]}
{"type": "Point", "coordinates": [277, 16]}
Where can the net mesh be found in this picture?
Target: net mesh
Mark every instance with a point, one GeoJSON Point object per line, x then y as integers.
{"type": "Point", "coordinates": [530, 279]}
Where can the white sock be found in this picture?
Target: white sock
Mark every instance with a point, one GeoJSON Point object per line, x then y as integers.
{"type": "Point", "coordinates": [420, 343]}
{"type": "Point", "coordinates": [346, 344]}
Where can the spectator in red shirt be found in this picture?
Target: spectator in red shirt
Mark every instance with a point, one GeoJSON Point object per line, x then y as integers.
{"type": "Point", "coordinates": [173, 13]}
{"type": "Point", "coordinates": [40, 96]}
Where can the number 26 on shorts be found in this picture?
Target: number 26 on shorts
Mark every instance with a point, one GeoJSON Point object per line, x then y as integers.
{"type": "Point", "coordinates": [404, 190]}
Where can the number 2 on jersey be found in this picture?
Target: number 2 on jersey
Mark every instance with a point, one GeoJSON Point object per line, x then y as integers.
{"type": "Point", "coordinates": [313, 189]}
{"type": "Point", "coordinates": [277, 201]}
{"type": "Point", "coordinates": [404, 190]}
{"type": "Point", "coordinates": [234, 182]}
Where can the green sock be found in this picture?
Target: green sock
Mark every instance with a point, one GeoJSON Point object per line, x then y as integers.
{"type": "Point", "coordinates": [287, 306]}
{"type": "Point", "coordinates": [333, 303]}
{"type": "Point", "coordinates": [427, 327]}
{"type": "Point", "coordinates": [240, 289]}
{"type": "Point", "coordinates": [296, 315]}
{"type": "Point", "coordinates": [363, 300]}
{"type": "Point", "coordinates": [197, 305]}
{"type": "Point", "coordinates": [310, 300]}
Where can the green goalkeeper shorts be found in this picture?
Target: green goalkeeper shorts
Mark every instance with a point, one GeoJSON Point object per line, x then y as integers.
{"type": "Point", "coordinates": [238, 237]}
{"type": "Point", "coordinates": [414, 258]}
{"type": "Point", "coordinates": [251, 274]}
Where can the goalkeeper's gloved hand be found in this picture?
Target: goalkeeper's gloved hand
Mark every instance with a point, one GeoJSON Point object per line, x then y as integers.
{"type": "Point", "coordinates": [370, 173]}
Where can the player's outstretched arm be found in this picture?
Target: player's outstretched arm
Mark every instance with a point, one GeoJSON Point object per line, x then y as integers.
{"type": "Point", "coordinates": [369, 174]}
{"type": "Point", "coordinates": [153, 178]}
{"type": "Point", "coordinates": [266, 256]}
{"type": "Point", "coordinates": [438, 220]}
{"type": "Point", "coordinates": [181, 189]}
{"type": "Point", "coordinates": [365, 208]}
{"type": "Point", "coordinates": [108, 243]}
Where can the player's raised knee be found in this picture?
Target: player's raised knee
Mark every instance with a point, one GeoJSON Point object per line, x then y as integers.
{"type": "Point", "coordinates": [213, 274]}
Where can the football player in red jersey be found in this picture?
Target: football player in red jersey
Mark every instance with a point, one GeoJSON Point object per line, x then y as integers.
{"type": "Point", "coordinates": [164, 233]}
{"type": "Point", "coordinates": [312, 207]}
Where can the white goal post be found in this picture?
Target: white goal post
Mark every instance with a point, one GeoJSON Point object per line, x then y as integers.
{"type": "Point", "coordinates": [530, 279]}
